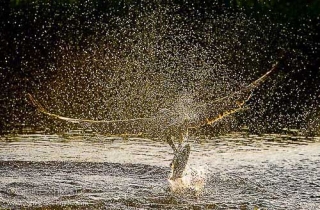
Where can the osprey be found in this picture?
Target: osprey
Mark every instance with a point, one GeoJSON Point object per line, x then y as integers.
{"type": "Point", "coordinates": [172, 125]}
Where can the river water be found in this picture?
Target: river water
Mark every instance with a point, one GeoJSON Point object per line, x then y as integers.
{"type": "Point", "coordinates": [237, 171]}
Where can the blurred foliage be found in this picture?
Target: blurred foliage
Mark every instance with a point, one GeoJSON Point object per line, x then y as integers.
{"type": "Point", "coordinates": [287, 9]}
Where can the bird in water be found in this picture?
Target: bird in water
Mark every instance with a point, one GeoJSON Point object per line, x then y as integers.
{"type": "Point", "coordinates": [173, 125]}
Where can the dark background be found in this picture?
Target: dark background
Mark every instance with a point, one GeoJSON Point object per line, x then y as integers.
{"type": "Point", "coordinates": [32, 32]}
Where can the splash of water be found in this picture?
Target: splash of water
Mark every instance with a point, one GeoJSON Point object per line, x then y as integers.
{"type": "Point", "coordinates": [192, 182]}
{"type": "Point", "coordinates": [149, 62]}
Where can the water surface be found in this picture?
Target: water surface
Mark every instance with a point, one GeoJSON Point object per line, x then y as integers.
{"type": "Point", "coordinates": [94, 171]}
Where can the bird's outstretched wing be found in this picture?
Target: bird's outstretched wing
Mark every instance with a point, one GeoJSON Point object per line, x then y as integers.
{"type": "Point", "coordinates": [41, 109]}
{"type": "Point", "coordinates": [220, 108]}
{"type": "Point", "coordinates": [251, 86]}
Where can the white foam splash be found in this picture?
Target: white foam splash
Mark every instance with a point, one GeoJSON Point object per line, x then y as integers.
{"type": "Point", "coordinates": [193, 181]}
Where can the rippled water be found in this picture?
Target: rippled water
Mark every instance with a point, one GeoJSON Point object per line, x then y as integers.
{"type": "Point", "coordinates": [79, 172]}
